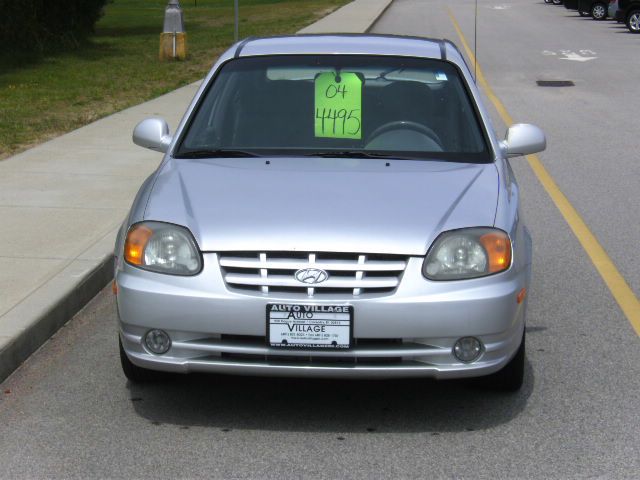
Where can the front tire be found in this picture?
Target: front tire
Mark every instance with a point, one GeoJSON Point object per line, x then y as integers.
{"type": "Point", "coordinates": [134, 373]}
{"type": "Point", "coordinates": [511, 377]}
{"type": "Point", "coordinates": [633, 21]}
{"type": "Point", "coordinates": [599, 11]}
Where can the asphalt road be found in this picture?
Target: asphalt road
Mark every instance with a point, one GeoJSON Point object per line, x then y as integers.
{"type": "Point", "coordinates": [68, 411]}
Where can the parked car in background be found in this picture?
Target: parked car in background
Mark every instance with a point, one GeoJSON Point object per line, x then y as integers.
{"type": "Point", "coordinates": [573, 5]}
{"type": "Point", "coordinates": [629, 13]}
{"type": "Point", "coordinates": [613, 8]}
{"type": "Point", "coordinates": [594, 8]}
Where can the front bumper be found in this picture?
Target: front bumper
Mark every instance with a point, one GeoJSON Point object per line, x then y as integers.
{"type": "Point", "coordinates": [407, 333]}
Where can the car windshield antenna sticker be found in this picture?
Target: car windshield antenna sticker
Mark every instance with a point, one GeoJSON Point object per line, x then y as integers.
{"type": "Point", "coordinates": [338, 102]}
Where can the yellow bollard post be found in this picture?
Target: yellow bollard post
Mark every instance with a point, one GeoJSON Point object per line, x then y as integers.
{"type": "Point", "coordinates": [173, 39]}
{"type": "Point", "coordinates": [173, 46]}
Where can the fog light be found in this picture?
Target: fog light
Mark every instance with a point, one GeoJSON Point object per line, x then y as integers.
{"type": "Point", "coordinates": [157, 341]}
{"type": "Point", "coordinates": [467, 349]}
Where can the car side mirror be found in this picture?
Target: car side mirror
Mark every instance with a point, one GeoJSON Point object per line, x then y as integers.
{"type": "Point", "coordinates": [523, 139]}
{"type": "Point", "coordinates": [152, 133]}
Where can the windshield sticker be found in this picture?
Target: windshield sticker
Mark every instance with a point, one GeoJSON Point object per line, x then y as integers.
{"type": "Point", "coordinates": [441, 77]}
{"type": "Point", "coordinates": [338, 102]}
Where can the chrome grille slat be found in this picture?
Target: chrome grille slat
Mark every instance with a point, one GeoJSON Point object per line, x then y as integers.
{"type": "Point", "coordinates": [289, 281]}
{"type": "Point", "coordinates": [263, 272]}
{"type": "Point", "coordinates": [359, 274]}
{"type": "Point", "coordinates": [312, 260]}
{"type": "Point", "coordinates": [270, 273]}
{"type": "Point", "coordinates": [336, 265]}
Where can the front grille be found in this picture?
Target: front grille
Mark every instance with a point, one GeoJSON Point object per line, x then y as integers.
{"type": "Point", "coordinates": [389, 344]}
{"type": "Point", "coordinates": [311, 360]}
{"type": "Point", "coordinates": [364, 353]}
{"type": "Point", "coordinates": [348, 273]}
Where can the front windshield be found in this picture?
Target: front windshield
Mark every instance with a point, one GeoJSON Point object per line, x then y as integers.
{"type": "Point", "coordinates": [333, 105]}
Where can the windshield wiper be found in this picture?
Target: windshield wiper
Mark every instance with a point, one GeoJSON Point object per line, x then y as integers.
{"type": "Point", "coordinates": [217, 153]}
{"type": "Point", "coordinates": [354, 154]}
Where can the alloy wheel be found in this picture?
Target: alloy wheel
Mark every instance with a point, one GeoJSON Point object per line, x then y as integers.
{"type": "Point", "coordinates": [598, 12]}
{"type": "Point", "coordinates": [634, 22]}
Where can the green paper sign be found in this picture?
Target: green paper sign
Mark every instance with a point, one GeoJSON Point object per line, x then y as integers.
{"type": "Point", "coordinates": [338, 105]}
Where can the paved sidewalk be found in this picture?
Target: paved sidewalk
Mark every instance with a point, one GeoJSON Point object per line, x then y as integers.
{"type": "Point", "coordinates": [62, 202]}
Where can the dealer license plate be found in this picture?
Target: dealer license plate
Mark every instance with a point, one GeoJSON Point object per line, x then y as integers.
{"type": "Point", "coordinates": [309, 326]}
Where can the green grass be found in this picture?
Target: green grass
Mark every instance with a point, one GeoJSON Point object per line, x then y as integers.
{"type": "Point", "coordinates": [42, 97]}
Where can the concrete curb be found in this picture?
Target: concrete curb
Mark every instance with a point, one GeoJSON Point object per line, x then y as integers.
{"type": "Point", "coordinates": [28, 325]}
{"type": "Point", "coordinates": [379, 15]}
{"type": "Point", "coordinates": [19, 347]}
{"type": "Point", "coordinates": [358, 16]}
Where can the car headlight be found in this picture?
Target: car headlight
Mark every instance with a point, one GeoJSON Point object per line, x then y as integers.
{"type": "Point", "coordinates": [163, 248]}
{"type": "Point", "coordinates": [468, 253]}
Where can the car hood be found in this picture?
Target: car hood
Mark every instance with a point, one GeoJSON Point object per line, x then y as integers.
{"type": "Point", "coordinates": [322, 204]}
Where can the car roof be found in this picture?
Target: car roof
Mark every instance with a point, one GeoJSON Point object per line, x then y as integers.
{"type": "Point", "coordinates": [345, 44]}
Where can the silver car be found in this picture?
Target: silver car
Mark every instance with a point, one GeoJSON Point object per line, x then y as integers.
{"type": "Point", "coordinates": [330, 206]}
{"type": "Point", "coordinates": [612, 9]}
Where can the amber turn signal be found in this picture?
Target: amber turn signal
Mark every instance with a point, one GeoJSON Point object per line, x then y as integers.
{"type": "Point", "coordinates": [521, 294]}
{"type": "Point", "coordinates": [134, 246]}
{"type": "Point", "coordinates": [498, 247]}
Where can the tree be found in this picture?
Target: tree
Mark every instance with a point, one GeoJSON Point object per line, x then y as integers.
{"type": "Point", "coordinates": [42, 25]}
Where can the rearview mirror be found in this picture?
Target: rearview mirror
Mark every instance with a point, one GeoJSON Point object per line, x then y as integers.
{"type": "Point", "coordinates": [523, 139]}
{"type": "Point", "coordinates": [152, 133]}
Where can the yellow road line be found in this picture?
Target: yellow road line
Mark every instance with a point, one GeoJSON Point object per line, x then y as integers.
{"type": "Point", "coordinates": [616, 283]}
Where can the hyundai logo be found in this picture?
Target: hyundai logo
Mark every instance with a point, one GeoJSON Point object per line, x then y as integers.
{"type": "Point", "coordinates": [311, 275]}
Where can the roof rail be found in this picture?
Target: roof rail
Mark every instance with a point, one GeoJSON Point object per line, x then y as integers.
{"type": "Point", "coordinates": [443, 49]}
{"type": "Point", "coordinates": [241, 45]}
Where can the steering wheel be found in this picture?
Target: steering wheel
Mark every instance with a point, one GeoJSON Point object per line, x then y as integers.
{"type": "Point", "coordinates": [405, 125]}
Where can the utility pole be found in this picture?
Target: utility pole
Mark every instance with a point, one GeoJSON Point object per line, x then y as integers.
{"type": "Point", "coordinates": [236, 19]}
